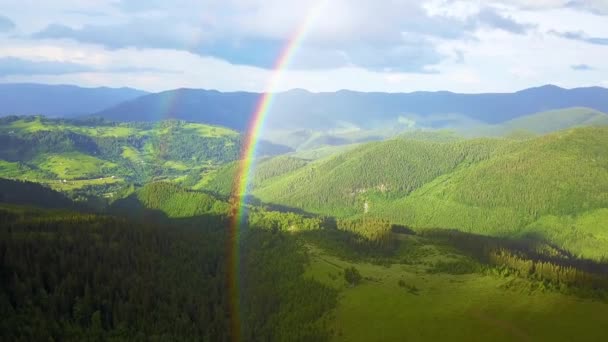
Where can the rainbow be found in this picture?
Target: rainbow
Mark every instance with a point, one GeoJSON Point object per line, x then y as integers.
{"type": "Point", "coordinates": [248, 155]}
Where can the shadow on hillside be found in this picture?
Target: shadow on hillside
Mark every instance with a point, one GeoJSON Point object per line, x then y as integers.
{"type": "Point", "coordinates": [131, 208]}
{"type": "Point", "coordinates": [254, 201]}
{"type": "Point", "coordinates": [531, 247]}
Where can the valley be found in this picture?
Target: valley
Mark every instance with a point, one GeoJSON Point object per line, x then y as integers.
{"type": "Point", "coordinates": [494, 232]}
{"type": "Point", "coordinates": [304, 171]}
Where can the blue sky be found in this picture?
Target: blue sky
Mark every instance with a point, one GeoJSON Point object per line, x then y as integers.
{"type": "Point", "coordinates": [367, 45]}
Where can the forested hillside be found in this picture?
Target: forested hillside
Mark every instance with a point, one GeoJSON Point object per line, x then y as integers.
{"type": "Point", "coordinates": [73, 276]}
{"type": "Point", "coordinates": [536, 186]}
{"type": "Point", "coordinates": [168, 200]}
{"type": "Point", "coordinates": [338, 185]}
{"type": "Point", "coordinates": [266, 171]}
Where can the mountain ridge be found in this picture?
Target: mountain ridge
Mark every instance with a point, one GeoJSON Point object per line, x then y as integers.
{"type": "Point", "coordinates": [60, 100]}
{"type": "Point", "coordinates": [302, 109]}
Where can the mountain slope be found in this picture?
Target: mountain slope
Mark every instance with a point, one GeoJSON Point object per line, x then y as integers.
{"type": "Point", "coordinates": [60, 100]}
{"type": "Point", "coordinates": [489, 186]}
{"type": "Point", "coordinates": [171, 200]}
{"type": "Point", "coordinates": [397, 167]}
{"type": "Point", "coordinates": [210, 107]}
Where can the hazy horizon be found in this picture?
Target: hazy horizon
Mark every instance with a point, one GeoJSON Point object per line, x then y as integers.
{"type": "Point", "coordinates": [301, 89]}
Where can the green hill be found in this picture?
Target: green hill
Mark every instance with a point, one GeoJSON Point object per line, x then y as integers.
{"type": "Point", "coordinates": [169, 200]}
{"type": "Point", "coordinates": [554, 187]}
{"type": "Point", "coordinates": [81, 154]}
{"type": "Point", "coordinates": [340, 184]}
{"type": "Point", "coordinates": [266, 171]}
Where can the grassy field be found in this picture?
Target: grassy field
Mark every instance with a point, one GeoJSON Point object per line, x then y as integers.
{"type": "Point", "coordinates": [37, 125]}
{"type": "Point", "coordinates": [71, 185]}
{"type": "Point", "coordinates": [131, 154]}
{"type": "Point", "coordinates": [75, 165]}
{"type": "Point", "coordinates": [17, 170]}
{"type": "Point", "coordinates": [211, 131]}
{"type": "Point", "coordinates": [176, 165]}
{"type": "Point", "coordinates": [432, 306]}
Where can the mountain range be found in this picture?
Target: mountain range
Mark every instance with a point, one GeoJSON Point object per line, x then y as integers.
{"type": "Point", "coordinates": [299, 109]}
{"type": "Point", "coordinates": [60, 100]}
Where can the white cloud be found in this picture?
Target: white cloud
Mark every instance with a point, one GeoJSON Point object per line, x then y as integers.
{"type": "Point", "coordinates": [360, 37]}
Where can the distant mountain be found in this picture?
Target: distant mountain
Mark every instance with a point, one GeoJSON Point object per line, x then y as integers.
{"type": "Point", "coordinates": [347, 109]}
{"type": "Point", "coordinates": [540, 123]}
{"type": "Point", "coordinates": [60, 100]}
{"type": "Point", "coordinates": [209, 106]}
{"type": "Point", "coordinates": [550, 121]}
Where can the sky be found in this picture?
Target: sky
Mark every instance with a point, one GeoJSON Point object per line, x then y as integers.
{"type": "Point", "coordinates": [365, 45]}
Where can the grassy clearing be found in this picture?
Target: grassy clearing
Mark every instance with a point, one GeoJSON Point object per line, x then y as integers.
{"type": "Point", "coordinates": [80, 184]}
{"type": "Point", "coordinates": [114, 130]}
{"type": "Point", "coordinates": [205, 178]}
{"type": "Point", "coordinates": [175, 165]}
{"type": "Point", "coordinates": [130, 154]}
{"type": "Point", "coordinates": [105, 131]}
{"type": "Point", "coordinates": [409, 302]}
{"type": "Point", "coordinates": [74, 165]}
{"type": "Point", "coordinates": [30, 126]}
{"type": "Point", "coordinates": [211, 131]}
{"type": "Point", "coordinates": [208, 131]}
{"type": "Point", "coordinates": [19, 171]}
{"type": "Point", "coordinates": [37, 125]}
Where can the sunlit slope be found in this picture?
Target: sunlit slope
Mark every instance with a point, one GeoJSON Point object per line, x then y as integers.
{"type": "Point", "coordinates": [565, 173]}
{"type": "Point", "coordinates": [87, 151]}
{"type": "Point", "coordinates": [169, 200]}
{"type": "Point", "coordinates": [554, 186]}
{"type": "Point", "coordinates": [340, 185]}
{"type": "Point", "coordinates": [266, 171]}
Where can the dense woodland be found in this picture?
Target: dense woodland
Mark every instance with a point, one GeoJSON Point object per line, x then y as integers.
{"type": "Point", "coordinates": [265, 171]}
{"type": "Point", "coordinates": [76, 276]}
{"type": "Point", "coordinates": [164, 273]}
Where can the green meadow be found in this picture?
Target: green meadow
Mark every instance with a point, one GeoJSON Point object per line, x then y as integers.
{"type": "Point", "coordinates": [407, 301]}
{"type": "Point", "coordinates": [74, 165]}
